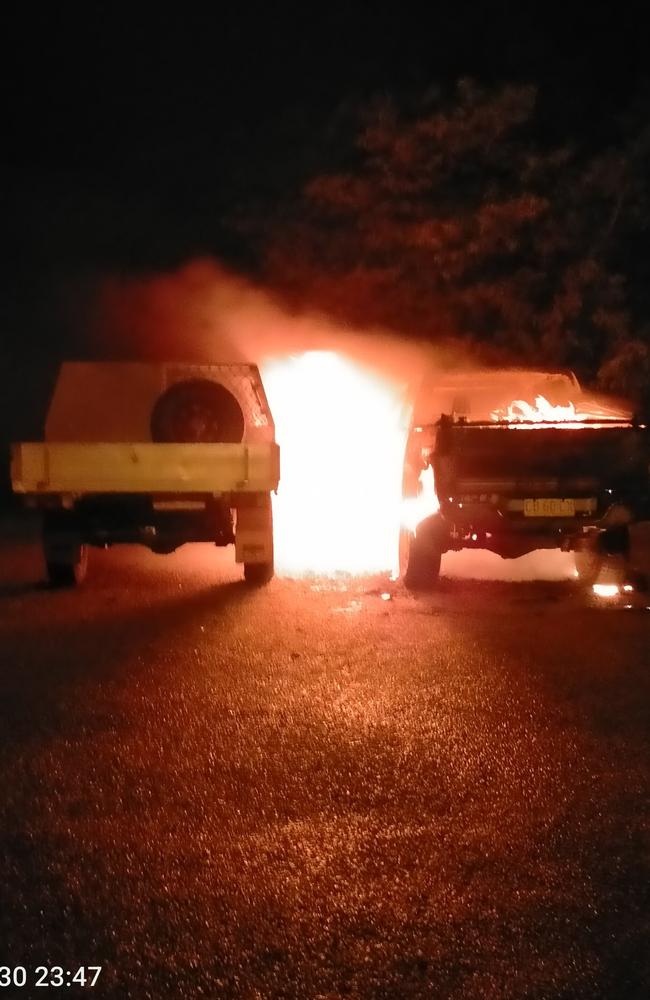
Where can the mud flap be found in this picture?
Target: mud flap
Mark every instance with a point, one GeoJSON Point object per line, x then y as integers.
{"type": "Point", "coordinates": [254, 530]}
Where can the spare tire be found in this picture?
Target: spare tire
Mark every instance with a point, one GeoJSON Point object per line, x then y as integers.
{"type": "Point", "coordinates": [198, 411]}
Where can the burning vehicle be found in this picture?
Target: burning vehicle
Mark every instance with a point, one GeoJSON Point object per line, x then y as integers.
{"type": "Point", "coordinates": [514, 461]}
{"type": "Point", "coordinates": [157, 454]}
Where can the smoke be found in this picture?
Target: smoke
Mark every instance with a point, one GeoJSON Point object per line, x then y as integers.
{"type": "Point", "coordinates": [341, 399]}
{"type": "Point", "coordinates": [202, 312]}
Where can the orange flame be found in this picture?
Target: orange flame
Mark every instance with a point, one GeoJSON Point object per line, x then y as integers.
{"type": "Point", "coordinates": [520, 410]}
{"type": "Point", "coordinates": [342, 431]}
{"type": "Point", "coordinates": [520, 413]}
{"type": "Point", "coordinates": [415, 509]}
{"type": "Point", "coordinates": [606, 590]}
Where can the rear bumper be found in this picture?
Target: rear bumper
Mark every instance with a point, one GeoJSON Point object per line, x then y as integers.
{"type": "Point", "coordinates": [113, 520]}
{"type": "Point", "coordinates": [510, 533]}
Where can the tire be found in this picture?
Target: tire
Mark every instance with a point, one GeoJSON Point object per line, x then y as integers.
{"type": "Point", "coordinates": [638, 579]}
{"type": "Point", "coordinates": [197, 411]}
{"type": "Point", "coordinates": [421, 554]}
{"type": "Point", "coordinates": [258, 574]}
{"type": "Point", "coordinates": [67, 564]}
{"type": "Point", "coordinates": [616, 541]}
{"type": "Point", "coordinates": [66, 556]}
{"type": "Point", "coordinates": [590, 559]}
{"type": "Point", "coordinates": [588, 562]}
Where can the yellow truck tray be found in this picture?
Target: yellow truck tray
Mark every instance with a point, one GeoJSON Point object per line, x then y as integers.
{"type": "Point", "coordinates": [143, 467]}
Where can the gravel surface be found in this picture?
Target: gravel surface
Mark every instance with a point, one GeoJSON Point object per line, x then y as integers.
{"type": "Point", "coordinates": [322, 789]}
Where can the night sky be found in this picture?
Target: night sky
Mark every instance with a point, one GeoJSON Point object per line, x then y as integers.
{"type": "Point", "coordinates": [128, 136]}
{"type": "Point", "coordinates": [124, 132]}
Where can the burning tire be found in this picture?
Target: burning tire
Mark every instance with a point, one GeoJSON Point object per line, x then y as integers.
{"type": "Point", "coordinates": [421, 554]}
{"type": "Point", "coordinates": [197, 411]}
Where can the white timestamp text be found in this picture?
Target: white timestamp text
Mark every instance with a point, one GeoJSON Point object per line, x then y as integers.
{"type": "Point", "coordinates": [17, 976]}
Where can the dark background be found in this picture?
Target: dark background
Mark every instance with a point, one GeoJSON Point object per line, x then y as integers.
{"type": "Point", "coordinates": [130, 137]}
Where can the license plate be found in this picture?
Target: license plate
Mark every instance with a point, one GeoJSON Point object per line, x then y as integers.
{"type": "Point", "coordinates": [542, 507]}
{"type": "Point", "coordinates": [179, 505]}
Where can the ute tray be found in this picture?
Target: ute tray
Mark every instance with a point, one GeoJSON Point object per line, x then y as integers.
{"type": "Point", "coordinates": [599, 449]}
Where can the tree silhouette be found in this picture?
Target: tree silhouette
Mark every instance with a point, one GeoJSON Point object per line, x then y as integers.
{"type": "Point", "coordinates": [448, 217]}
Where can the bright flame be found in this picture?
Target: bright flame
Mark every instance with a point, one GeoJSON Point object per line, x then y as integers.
{"type": "Point", "coordinates": [520, 413]}
{"type": "Point", "coordinates": [342, 432]}
{"type": "Point", "coordinates": [415, 509]}
{"type": "Point", "coordinates": [606, 589]}
{"type": "Point", "coordinates": [519, 410]}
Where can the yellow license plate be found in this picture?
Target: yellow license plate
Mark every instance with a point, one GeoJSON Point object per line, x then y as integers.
{"type": "Point", "coordinates": [542, 507]}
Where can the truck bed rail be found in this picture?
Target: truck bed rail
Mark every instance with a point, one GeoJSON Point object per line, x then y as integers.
{"type": "Point", "coordinates": [143, 467]}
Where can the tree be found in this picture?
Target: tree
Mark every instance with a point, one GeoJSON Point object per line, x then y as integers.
{"type": "Point", "coordinates": [446, 217]}
{"type": "Point", "coordinates": [627, 372]}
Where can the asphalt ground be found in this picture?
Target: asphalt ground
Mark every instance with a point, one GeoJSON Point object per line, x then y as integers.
{"type": "Point", "coordinates": [321, 789]}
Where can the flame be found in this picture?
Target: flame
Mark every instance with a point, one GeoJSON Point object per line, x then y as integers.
{"type": "Point", "coordinates": [415, 509]}
{"type": "Point", "coordinates": [520, 413]}
{"type": "Point", "coordinates": [606, 589]}
{"type": "Point", "coordinates": [342, 432]}
{"type": "Point", "coordinates": [542, 410]}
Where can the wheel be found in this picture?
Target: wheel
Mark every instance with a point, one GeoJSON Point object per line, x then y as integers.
{"type": "Point", "coordinates": [67, 564]}
{"type": "Point", "coordinates": [66, 556]}
{"type": "Point", "coordinates": [198, 411]}
{"type": "Point", "coordinates": [588, 562]}
{"type": "Point", "coordinates": [638, 580]}
{"type": "Point", "coordinates": [405, 538]}
{"type": "Point", "coordinates": [257, 574]}
{"type": "Point", "coordinates": [616, 541]}
{"type": "Point", "coordinates": [421, 554]}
